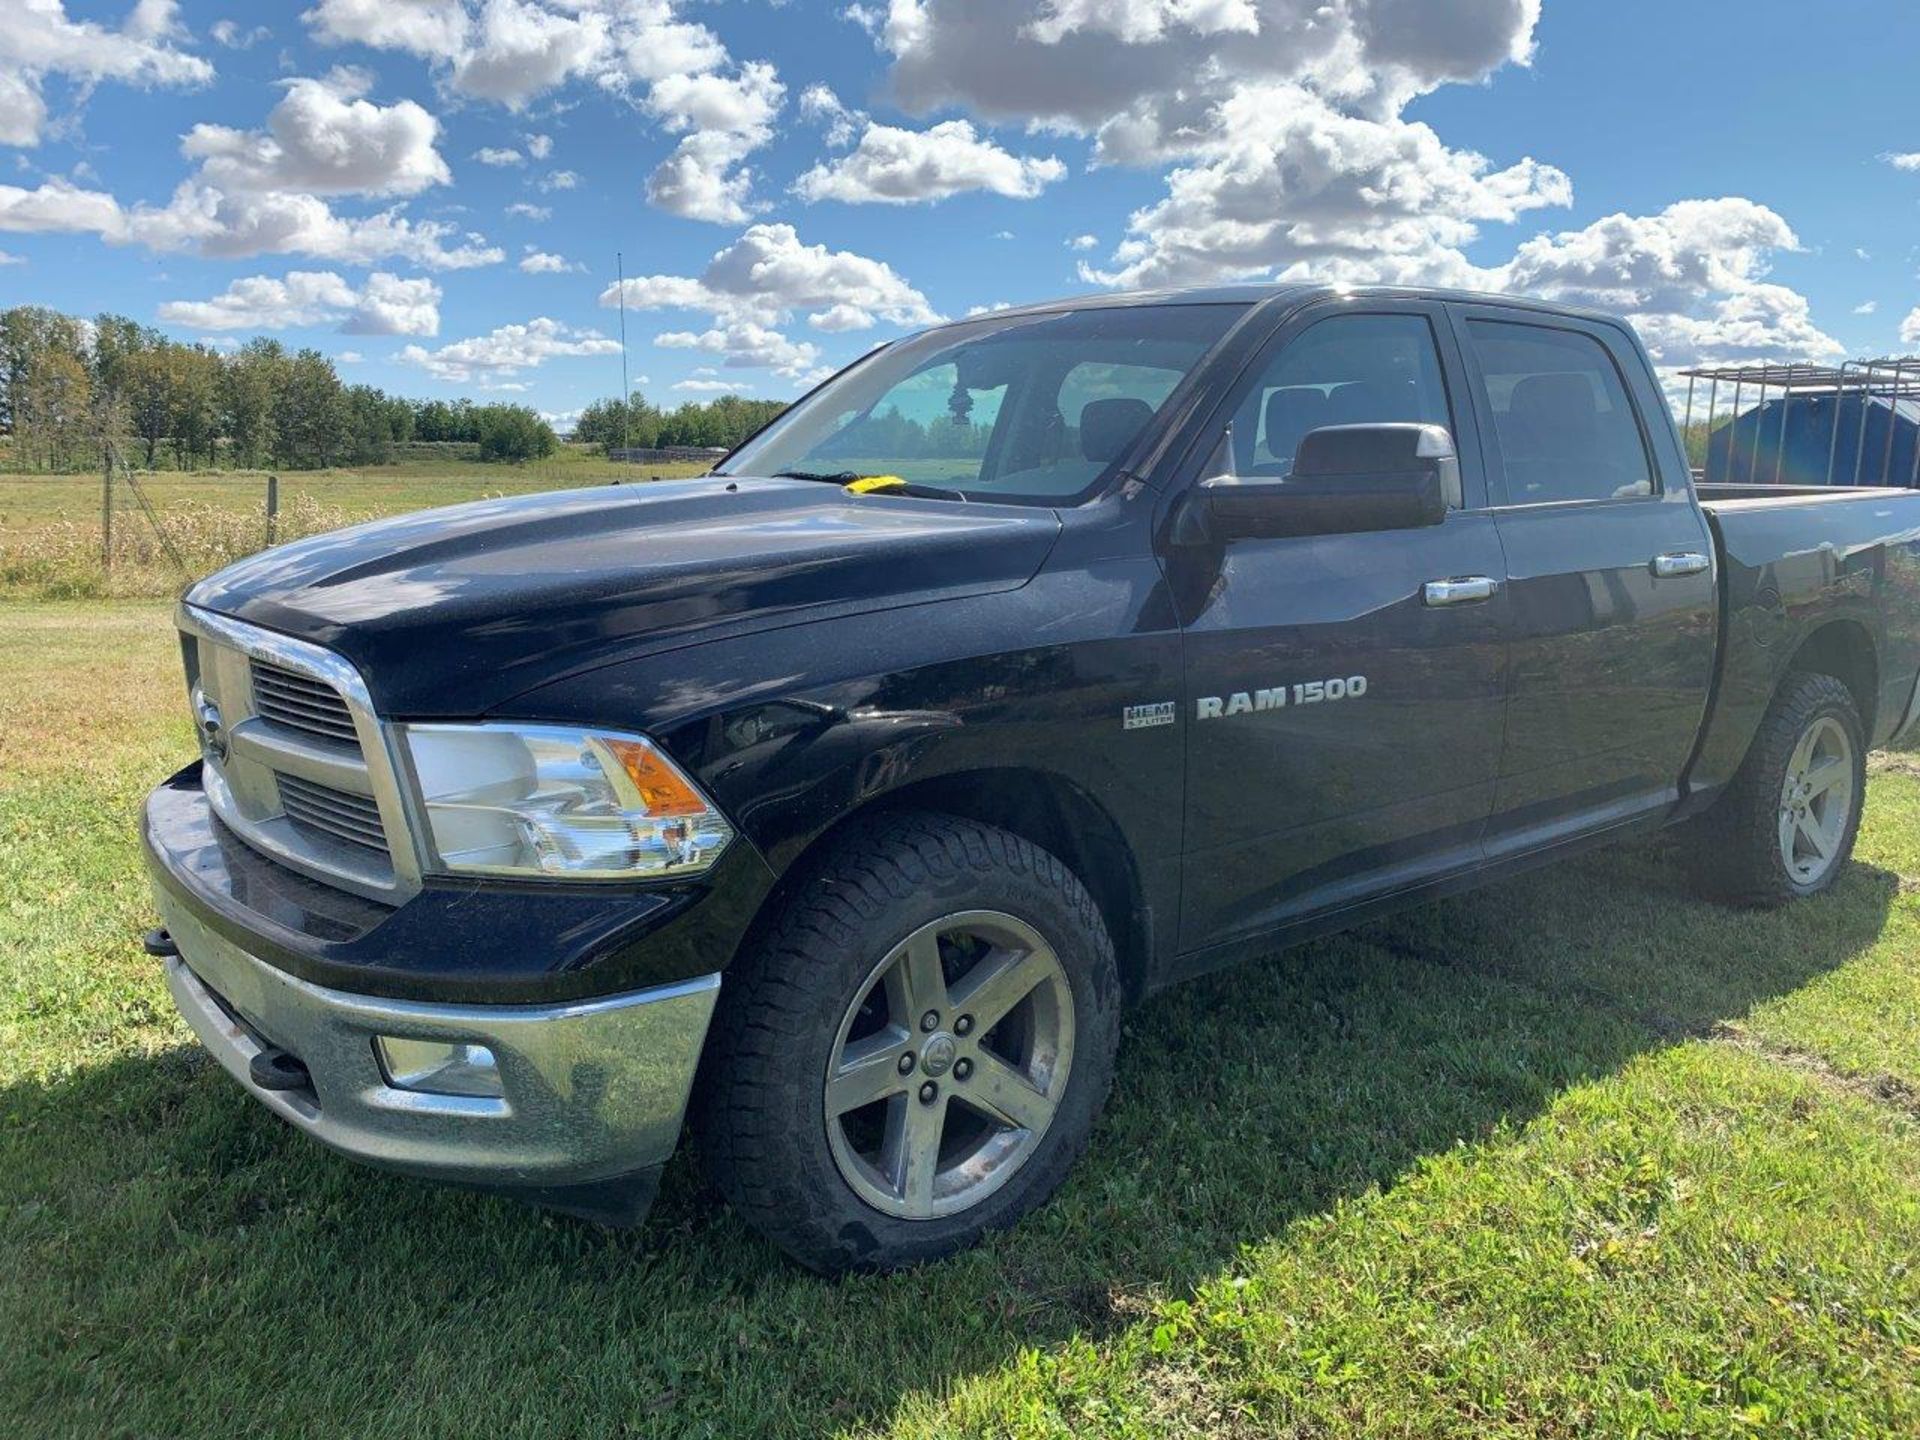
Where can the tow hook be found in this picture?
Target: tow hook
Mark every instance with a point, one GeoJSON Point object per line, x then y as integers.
{"type": "Point", "coordinates": [159, 943]}
{"type": "Point", "coordinates": [274, 1069]}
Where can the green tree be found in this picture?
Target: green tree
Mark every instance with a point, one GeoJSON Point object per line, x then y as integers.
{"type": "Point", "coordinates": [310, 414]}
{"type": "Point", "coordinates": [149, 381]}
{"type": "Point", "coordinates": [196, 404]}
{"type": "Point", "coordinates": [250, 381]}
{"type": "Point", "coordinates": [513, 432]}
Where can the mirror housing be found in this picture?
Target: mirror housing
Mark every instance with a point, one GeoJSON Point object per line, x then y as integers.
{"type": "Point", "coordinates": [1347, 479]}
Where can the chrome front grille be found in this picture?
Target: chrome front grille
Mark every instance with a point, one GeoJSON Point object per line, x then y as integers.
{"type": "Point", "coordinates": [299, 702]}
{"type": "Point", "coordinates": [345, 816]}
{"type": "Point", "coordinates": [294, 761]}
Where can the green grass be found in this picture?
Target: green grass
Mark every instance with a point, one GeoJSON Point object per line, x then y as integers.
{"type": "Point", "coordinates": [1577, 1155]}
{"type": "Point", "coordinates": [30, 500]}
{"type": "Point", "coordinates": [50, 525]}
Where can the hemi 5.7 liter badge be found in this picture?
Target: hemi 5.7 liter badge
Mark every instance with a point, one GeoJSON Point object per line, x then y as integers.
{"type": "Point", "coordinates": [1145, 717]}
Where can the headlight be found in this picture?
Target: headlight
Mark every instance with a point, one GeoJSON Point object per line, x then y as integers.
{"type": "Point", "coordinates": [550, 800]}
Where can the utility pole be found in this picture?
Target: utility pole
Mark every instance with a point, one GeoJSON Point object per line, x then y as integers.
{"type": "Point", "coordinates": [620, 271]}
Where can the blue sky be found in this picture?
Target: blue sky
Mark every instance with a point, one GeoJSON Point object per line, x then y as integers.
{"type": "Point", "coordinates": [433, 191]}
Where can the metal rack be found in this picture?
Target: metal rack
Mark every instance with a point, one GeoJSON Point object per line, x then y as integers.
{"type": "Point", "coordinates": [1890, 386]}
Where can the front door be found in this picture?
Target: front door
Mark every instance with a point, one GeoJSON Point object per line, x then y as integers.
{"type": "Point", "coordinates": [1343, 720]}
{"type": "Point", "coordinates": [1611, 567]}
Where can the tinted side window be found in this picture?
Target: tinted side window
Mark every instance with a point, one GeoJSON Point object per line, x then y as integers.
{"type": "Point", "coordinates": [1566, 427]}
{"type": "Point", "coordinates": [1350, 370]}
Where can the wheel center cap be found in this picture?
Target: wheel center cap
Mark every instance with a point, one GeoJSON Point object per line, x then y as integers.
{"type": "Point", "coordinates": [937, 1055]}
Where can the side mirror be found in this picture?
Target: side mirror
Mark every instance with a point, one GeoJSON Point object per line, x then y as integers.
{"type": "Point", "coordinates": [1347, 479]}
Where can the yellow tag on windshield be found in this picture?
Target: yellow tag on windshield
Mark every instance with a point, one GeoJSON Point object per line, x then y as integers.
{"type": "Point", "coordinates": [873, 482]}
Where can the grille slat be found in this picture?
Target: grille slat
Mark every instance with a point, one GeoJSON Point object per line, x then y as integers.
{"type": "Point", "coordinates": [352, 818]}
{"type": "Point", "coordinates": [300, 702]}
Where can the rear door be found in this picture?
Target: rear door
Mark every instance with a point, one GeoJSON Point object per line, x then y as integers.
{"type": "Point", "coordinates": [1343, 724]}
{"type": "Point", "coordinates": [1611, 569]}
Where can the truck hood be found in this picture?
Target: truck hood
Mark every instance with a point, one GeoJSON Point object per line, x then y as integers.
{"type": "Point", "coordinates": [453, 612]}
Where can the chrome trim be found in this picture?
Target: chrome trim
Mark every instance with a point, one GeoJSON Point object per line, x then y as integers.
{"type": "Point", "coordinates": [282, 749]}
{"type": "Point", "coordinates": [591, 1089]}
{"type": "Point", "coordinates": [1678, 564]}
{"type": "Point", "coordinates": [244, 795]}
{"type": "Point", "coordinates": [1466, 590]}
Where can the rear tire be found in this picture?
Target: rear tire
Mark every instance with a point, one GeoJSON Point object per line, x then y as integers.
{"type": "Point", "coordinates": [1785, 827]}
{"type": "Point", "coordinates": [915, 1054]}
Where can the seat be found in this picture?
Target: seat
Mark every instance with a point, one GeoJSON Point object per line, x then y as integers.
{"type": "Point", "coordinates": [1552, 440]}
{"type": "Point", "coordinates": [1108, 426]}
{"type": "Point", "coordinates": [1371, 402]}
{"type": "Point", "coordinates": [1291, 415]}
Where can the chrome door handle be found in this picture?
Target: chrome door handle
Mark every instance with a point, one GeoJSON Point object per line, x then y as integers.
{"type": "Point", "coordinates": [1678, 563]}
{"type": "Point", "coordinates": [1469, 590]}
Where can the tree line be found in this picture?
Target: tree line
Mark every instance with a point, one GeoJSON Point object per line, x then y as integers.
{"type": "Point", "coordinates": [640, 425]}
{"type": "Point", "coordinates": [71, 387]}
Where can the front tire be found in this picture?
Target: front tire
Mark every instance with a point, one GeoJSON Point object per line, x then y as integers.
{"type": "Point", "coordinates": [916, 1053]}
{"type": "Point", "coordinates": [1785, 828]}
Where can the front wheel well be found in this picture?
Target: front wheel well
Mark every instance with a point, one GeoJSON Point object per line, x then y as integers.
{"type": "Point", "coordinates": [1844, 650]}
{"type": "Point", "coordinates": [1040, 807]}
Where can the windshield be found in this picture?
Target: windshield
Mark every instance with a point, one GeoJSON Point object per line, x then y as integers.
{"type": "Point", "coordinates": [1037, 409]}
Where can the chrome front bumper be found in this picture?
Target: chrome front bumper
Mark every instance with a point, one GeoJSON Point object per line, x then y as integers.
{"type": "Point", "coordinates": [593, 1091]}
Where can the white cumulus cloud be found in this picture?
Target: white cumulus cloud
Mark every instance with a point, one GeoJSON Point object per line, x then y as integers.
{"type": "Point", "coordinates": [384, 305]}
{"type": "Point", "coordinates": [38, 39]}
{"type": "Point", "coordinates": [761, 281]}
{"type": "Point", "coordinates": [1293, 186]}
{"type": "Point", "coordinates": [890, 165]}
{"type": "Point", "coordinates": [513, 51]}
{"type": "Point", "coordinates": [492, 361]}
{"type": "Point", "coordinates": [261, 192]}
{"type": "Point", "coordinates": [202, 220]}
{"type": "Point", "coordinates": [325, 138]}
{"type": "Point", "coordinates": [541, 262]}
{"type": "Point", "coordinates": [1692, 278]}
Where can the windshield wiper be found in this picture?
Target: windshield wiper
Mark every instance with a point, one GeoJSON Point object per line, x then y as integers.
{"type": "Point", "coordinates": [838, 477]}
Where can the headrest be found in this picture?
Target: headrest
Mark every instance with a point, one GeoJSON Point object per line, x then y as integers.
{"type": "Point", "coordinates": [1290, 415]}
{"type": "Point", "coordinates": [1108, 426]}
{"type": "Point", "coordinates": [1370, 402]}
{"type": "Point", "coordinates": [1554, 400]}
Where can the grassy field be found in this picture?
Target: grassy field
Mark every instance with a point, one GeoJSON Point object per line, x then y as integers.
{"type": "Point", "coordinates": [50, 524]}
{"type": "Point", "coordinates": [1579, 1155]}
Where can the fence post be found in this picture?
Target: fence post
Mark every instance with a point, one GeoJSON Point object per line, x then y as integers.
{"type": "Point", "coordinates": [106, 510]}
{"type": "Point", "coordinates": [273, 505]}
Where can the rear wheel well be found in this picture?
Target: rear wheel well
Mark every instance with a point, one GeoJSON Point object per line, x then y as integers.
{"type": "Point", "coordinates": [1039, 807]}
{"type": "Point", "coordinates": [1844, 650]}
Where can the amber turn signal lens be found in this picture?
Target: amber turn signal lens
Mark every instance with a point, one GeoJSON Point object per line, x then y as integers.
{"type": "Point", "coordinates": [662, 790]}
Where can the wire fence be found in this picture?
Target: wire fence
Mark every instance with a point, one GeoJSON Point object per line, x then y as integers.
{"type": "Point", "coordinates": [144, 534]}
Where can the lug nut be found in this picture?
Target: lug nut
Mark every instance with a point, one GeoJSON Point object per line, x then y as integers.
{"type": "Point", "coordinates": [962, 1068]}
{"type": "Point", "coordinates": [906, 1063]}
{"type": "Point", "coordinates": [929, 1092]}
{"type": "Point", "coordinates": [963, 1025]}
{"type": "Point", "coordinates": [930, 1021]}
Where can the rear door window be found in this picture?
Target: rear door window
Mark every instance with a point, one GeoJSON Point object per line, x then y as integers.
{"type": "Point", "coordinates": [1566, 428]}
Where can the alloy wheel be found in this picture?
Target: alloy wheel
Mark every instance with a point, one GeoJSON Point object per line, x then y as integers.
{"type": "Point", "coordinates": [949, 1064]}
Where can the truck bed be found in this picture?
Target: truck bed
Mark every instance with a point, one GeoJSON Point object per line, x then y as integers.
{"type": "Point", "coordinates": [1798, 562]}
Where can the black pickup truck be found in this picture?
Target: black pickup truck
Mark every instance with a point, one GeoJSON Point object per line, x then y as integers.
{"type": "Point", "coordinates": [844, 796]}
